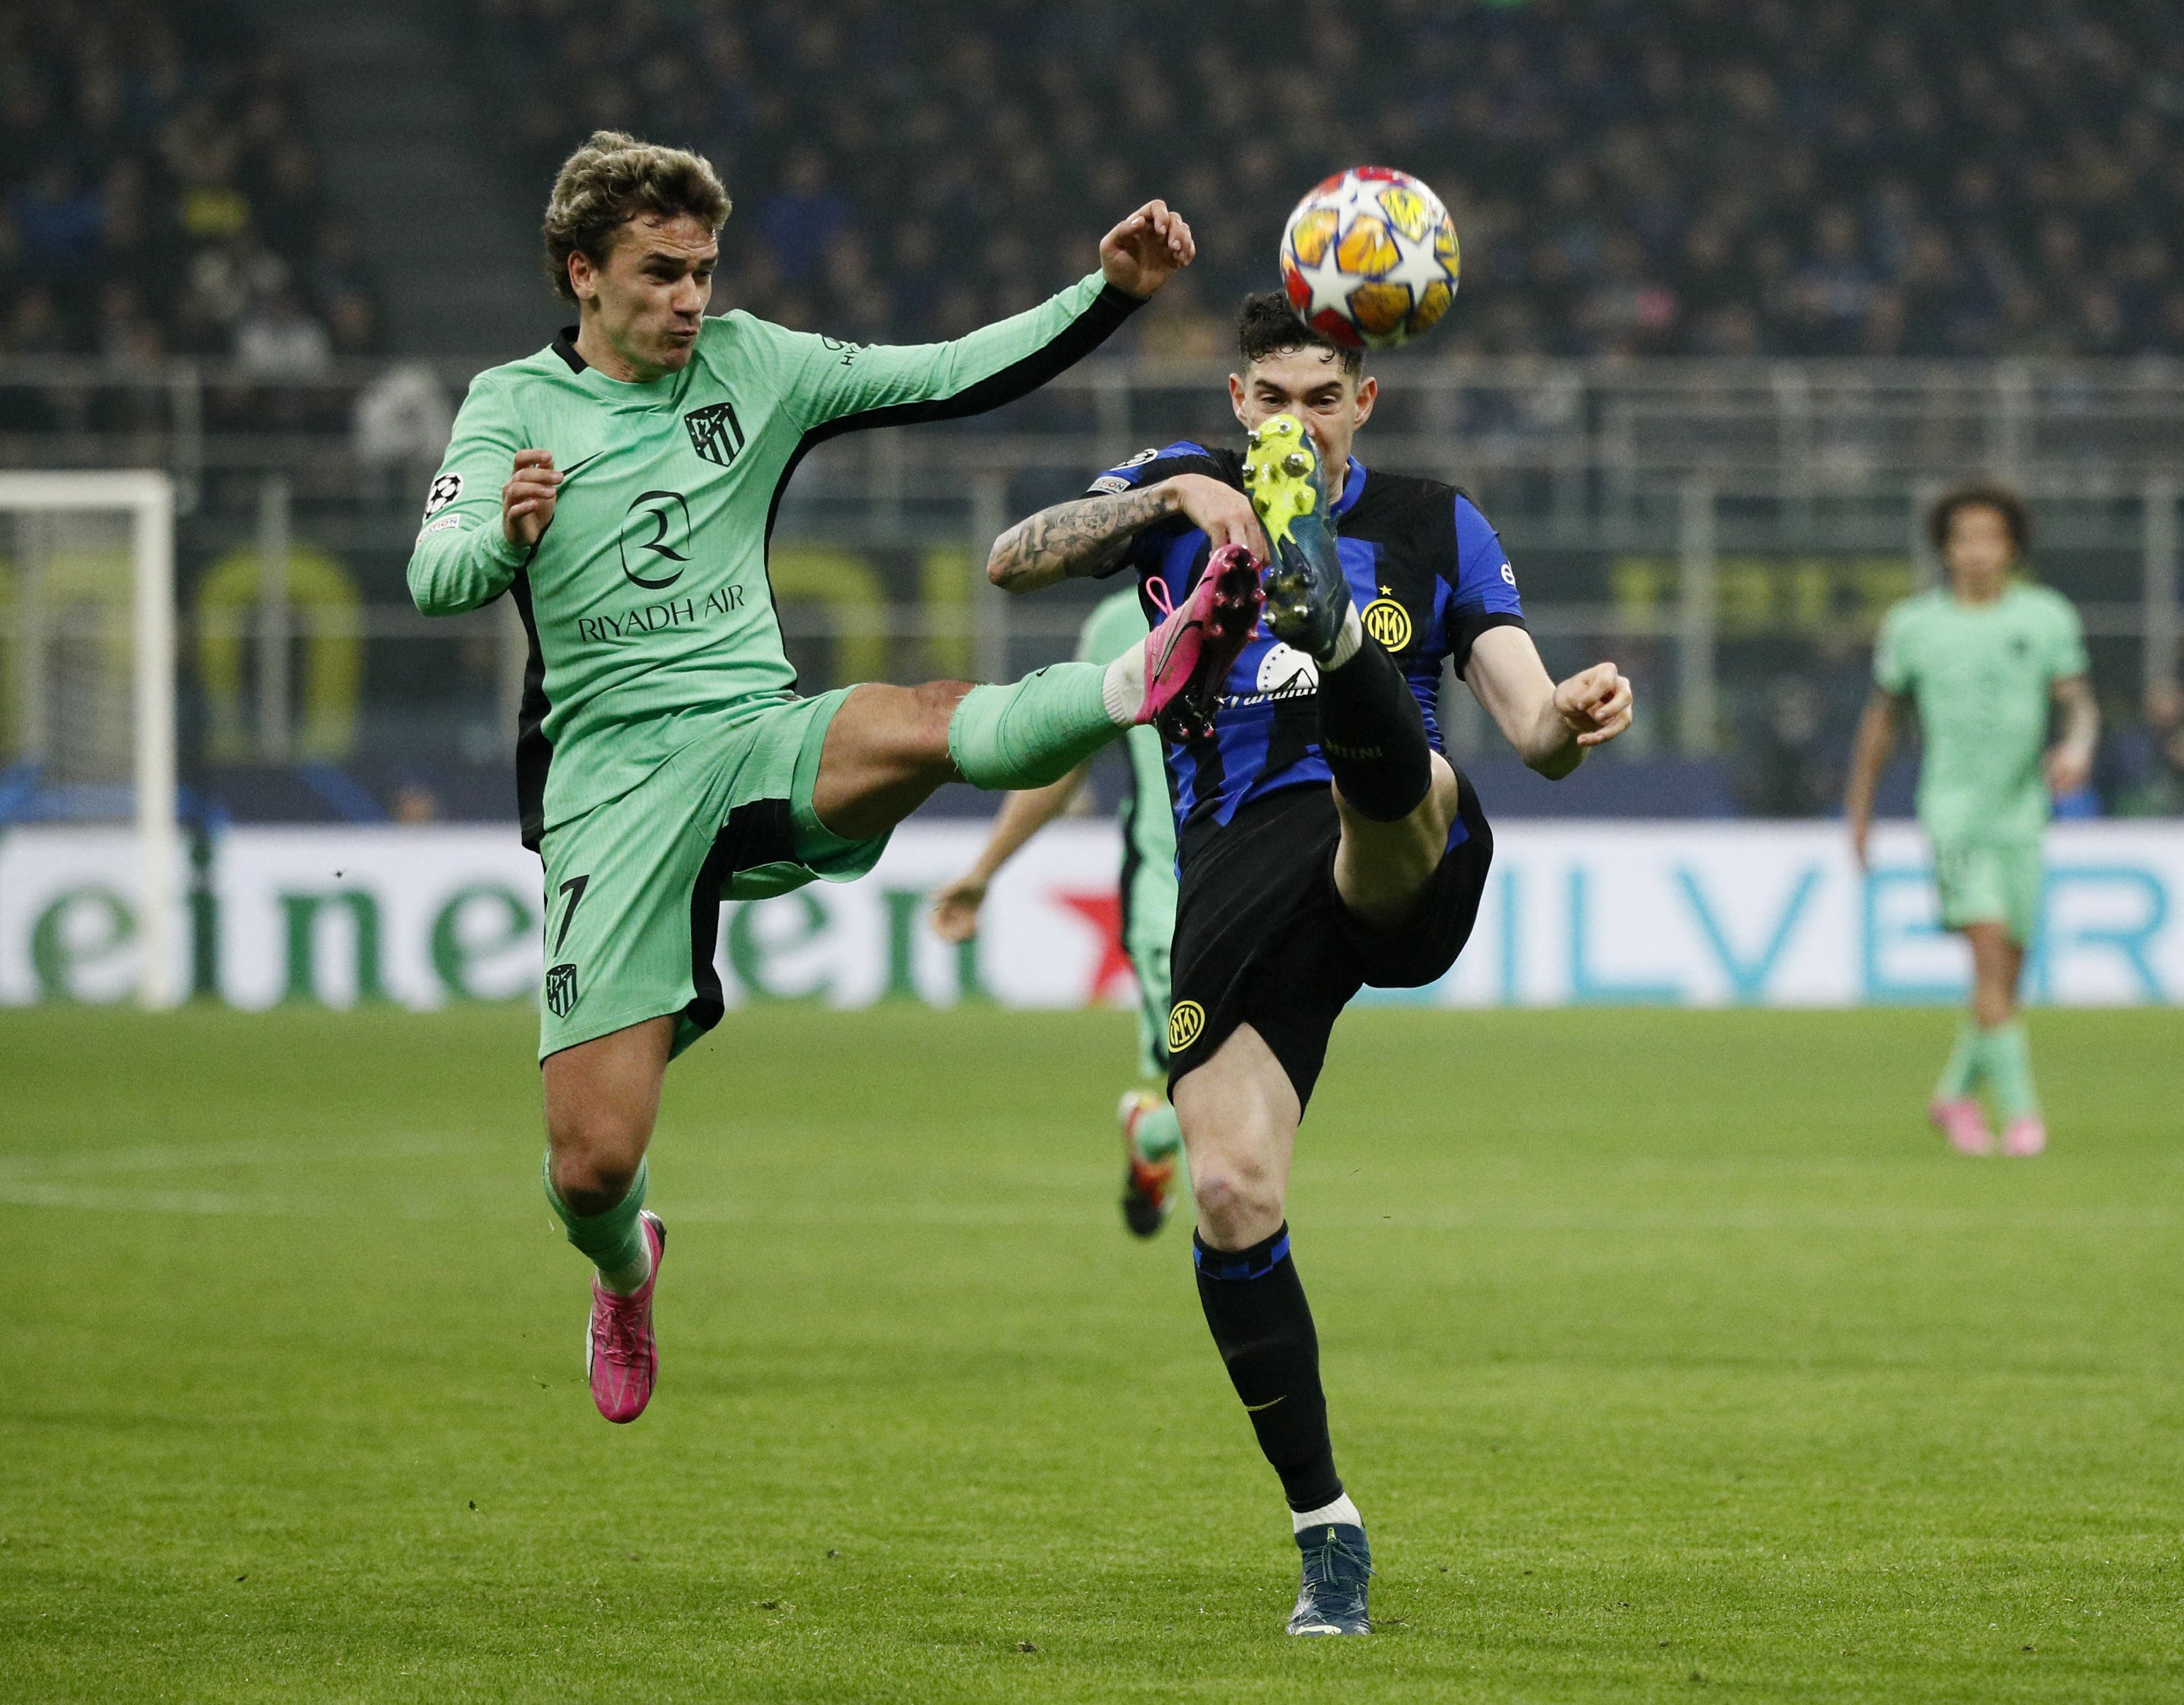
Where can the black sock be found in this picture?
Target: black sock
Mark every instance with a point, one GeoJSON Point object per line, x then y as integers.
{"type": "Point", "coordinates": [1261, 1324]}
{"type": "Point", "coordinates": [1374, 735]}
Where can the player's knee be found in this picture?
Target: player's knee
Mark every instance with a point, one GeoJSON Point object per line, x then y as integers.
{"type": "Point", "coordinates": [1235, 1200]}
{"type": "Point", "coordinates": [917, 735]}
{"type": "Point", "coordinates": [594, 1165]}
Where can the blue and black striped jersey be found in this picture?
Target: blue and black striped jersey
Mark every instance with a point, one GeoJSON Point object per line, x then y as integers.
{"type": "Point", "coordinates": [1429, 575]}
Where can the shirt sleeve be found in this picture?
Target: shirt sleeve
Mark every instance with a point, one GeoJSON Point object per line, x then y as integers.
{"type": "Point", "coordinates": [1891, 664]}
{"type": "Point", "coordinates": [1149, 467]}
{"type": "Point", "coordinates": [833, 387]}
{"type": "Point", "coordinates": [2068, 655]}
{"type": "Point", "coordinates": [1482, 585]}
{"type": "Point", "coordinates": [462, 558]}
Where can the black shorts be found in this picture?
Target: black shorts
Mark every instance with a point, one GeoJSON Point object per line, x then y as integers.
{"type": "Point", "coordinates": [1262, 937]}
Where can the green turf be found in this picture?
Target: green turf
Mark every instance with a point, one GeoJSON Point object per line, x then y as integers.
{"type": "Point", "coordinates": [1668, 1354]}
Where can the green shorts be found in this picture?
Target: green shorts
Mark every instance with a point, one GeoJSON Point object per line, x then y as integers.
{"type": "Point", "coordinates": [634, 887]}
{"type": "Point", "coordinates": [1989, 883]}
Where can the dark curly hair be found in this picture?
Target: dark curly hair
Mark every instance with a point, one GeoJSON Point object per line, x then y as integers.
{"type": "Point", "coordinates": [1981, 494]}
{"type": "Point", "coordinates": [615, 178]}
{"type": "Point", "coordinates": [1266, 325]}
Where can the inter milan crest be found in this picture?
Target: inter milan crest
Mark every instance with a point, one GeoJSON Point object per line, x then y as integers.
{"type": "Point", "coordinates": [715, 433]}
{"type": "Point", "coordinates": [1387, 621]}
{"type": "Point", "coordinates": [1186, 1019]}
{"type": "Point", "coordinates": [561, 989]}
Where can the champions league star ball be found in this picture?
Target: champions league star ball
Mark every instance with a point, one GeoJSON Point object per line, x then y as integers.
{"type": "Point", "coordinates": [1369, 259]}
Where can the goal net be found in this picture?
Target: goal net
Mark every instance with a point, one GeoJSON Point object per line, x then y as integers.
{"type": "Point", "coordinates": [88, 683]}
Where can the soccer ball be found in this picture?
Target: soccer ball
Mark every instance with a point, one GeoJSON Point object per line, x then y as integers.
{"type": "Point", "coordinates": [1369, 257]}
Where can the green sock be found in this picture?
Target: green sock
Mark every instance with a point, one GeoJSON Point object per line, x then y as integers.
{"type": "Point", "coordinates": [1033, 732]}
{"type": "Point", "coordinates": [1966, 1064]}
{"type": "Point", "coordinates": [2010, 1067]}
{"type": "Point", "coordinates": [1159, 1135]}
{"type": "Point", "coordinates": [615, 1240]}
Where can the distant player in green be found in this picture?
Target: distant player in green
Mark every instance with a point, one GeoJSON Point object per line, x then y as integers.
{"type": "Point", "coordinates": [1980, 659]}
{"type": "Point", "coordinates": [621, 486]}
{"type": "Point", "coordinates": [1151, 1135]}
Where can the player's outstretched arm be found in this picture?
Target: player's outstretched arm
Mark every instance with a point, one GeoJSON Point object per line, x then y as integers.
{"type": "Point", "coordinates": [831, 386]}
{"type": "Point", "coordinates": [1023, 815]}
{"type": "Point", "coordinates": [1553, 724]}
{"type": "Point", "coordinates": [1877, 739]}
{"type": "Point", "coordinates": [1090, 535]}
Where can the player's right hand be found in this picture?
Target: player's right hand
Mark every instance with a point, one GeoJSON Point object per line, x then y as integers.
{"type": "Point", "coordinates": [1224, 514]}
{"type": "Point", "coordinates": [955, 908]}
{"type": "Point", "coordinates": [1859, 829]}
{"type": "Point", "coordinates": [527, 501]}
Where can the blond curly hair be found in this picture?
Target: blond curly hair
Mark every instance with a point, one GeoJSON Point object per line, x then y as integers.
{"type": "Point", "coordinates": [613, 178]}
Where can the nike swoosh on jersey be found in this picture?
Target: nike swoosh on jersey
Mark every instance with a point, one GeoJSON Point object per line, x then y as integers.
{"type": "Point", "coordinates": [570, 471]}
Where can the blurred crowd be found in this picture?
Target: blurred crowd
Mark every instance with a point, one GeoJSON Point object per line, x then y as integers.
{"type": "Point", "coordinates": [157, 195]}
{"type": "Point", "coordinates": [1816, 177]}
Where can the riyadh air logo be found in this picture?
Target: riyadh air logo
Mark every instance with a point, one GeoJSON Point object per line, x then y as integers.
{"type": "Point", "coordinates": [1387, 621]}
{"type": "Point", "coordinates": [655, 538]}
{"type": "Point", "coordinates": [1186, 1022]}
{"type": "Point", "coordinates": [715, 433]}
{"type": "Point", "coordinates": [561, 989]}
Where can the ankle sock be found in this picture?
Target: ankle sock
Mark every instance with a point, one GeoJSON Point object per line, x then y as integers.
{"type": "Point", "coordinates": [1341, 1512]}
{"type": "Point", "coordinates": [1122, 688]}
{"type": "Point", "coordinates": [1347, 639]}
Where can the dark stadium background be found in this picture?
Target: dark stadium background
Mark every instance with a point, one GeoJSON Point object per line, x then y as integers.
{"type": "Point", "coordinates": [1743, 286]}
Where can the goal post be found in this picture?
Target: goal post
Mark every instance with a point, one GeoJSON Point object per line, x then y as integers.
{"type": "Point", "coordinates": [59, 531]}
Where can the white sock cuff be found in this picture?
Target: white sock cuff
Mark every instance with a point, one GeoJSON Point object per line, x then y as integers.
{"type": "Point", "coordinates": [1122, 688]}
{"type": "Point", "coordinates": [1346, 642]}
{"type": "Point", "coordinates": [1341, 1511]}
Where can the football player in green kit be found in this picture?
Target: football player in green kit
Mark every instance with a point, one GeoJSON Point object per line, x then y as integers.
{"type": "Point", "coordinates": [621, 486]}
{"type": "Point", "coordinates": [1151, 1139]}
{"type": "Point", "coordinates": [1980, 659]}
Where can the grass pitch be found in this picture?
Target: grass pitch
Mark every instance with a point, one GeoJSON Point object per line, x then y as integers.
{"type": "Point", "coordinates": [1668, 1357]}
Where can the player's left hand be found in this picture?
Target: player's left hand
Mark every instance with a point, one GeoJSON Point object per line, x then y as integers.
{"type": "Point", "coordinates": [1146, 249]}
{"type": "Point", "coordinates": [2069, 769]}
{"type": "Point", "coordinates": [955, 908]}
{"type": "Point", "coordinates": [1595, 705]}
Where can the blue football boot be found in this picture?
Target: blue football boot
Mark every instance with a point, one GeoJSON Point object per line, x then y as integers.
{"type": "Point", "coordinates": [1306, 595]}
{"type": "Point", "coordinates": [1337, 1565]}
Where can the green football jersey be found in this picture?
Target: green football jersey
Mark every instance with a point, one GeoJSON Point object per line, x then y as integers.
{"type": "Point", "coordinates": [649, 613]}
{"type": "Point", "coordinates": [1981, 677]}
{"type": "Point", "coordinates": [1147, 816]}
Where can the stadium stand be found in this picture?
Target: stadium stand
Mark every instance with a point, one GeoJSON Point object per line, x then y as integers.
{"type": "Point", "coordinates": [1704, 177]}
{"type": "Point", "coordinates": [158, 197]}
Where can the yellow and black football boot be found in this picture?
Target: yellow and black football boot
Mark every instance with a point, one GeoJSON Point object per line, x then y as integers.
{"type": "Point", "coordinates": [1306, 595]}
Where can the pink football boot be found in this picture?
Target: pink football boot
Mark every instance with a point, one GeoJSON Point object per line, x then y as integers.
{"type": "Point", "coordinates": [1187, 656]}
{"type": "Point", "coordinates": [621, 1358]}
{"type": "Point", "coordinates": [2027, 1134]}
{"type": "Point", "coordinates": [1962, 1122]}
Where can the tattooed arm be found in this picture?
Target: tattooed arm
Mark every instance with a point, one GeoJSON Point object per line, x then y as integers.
{"type": "Point", "coordinates": [1090, 535]}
